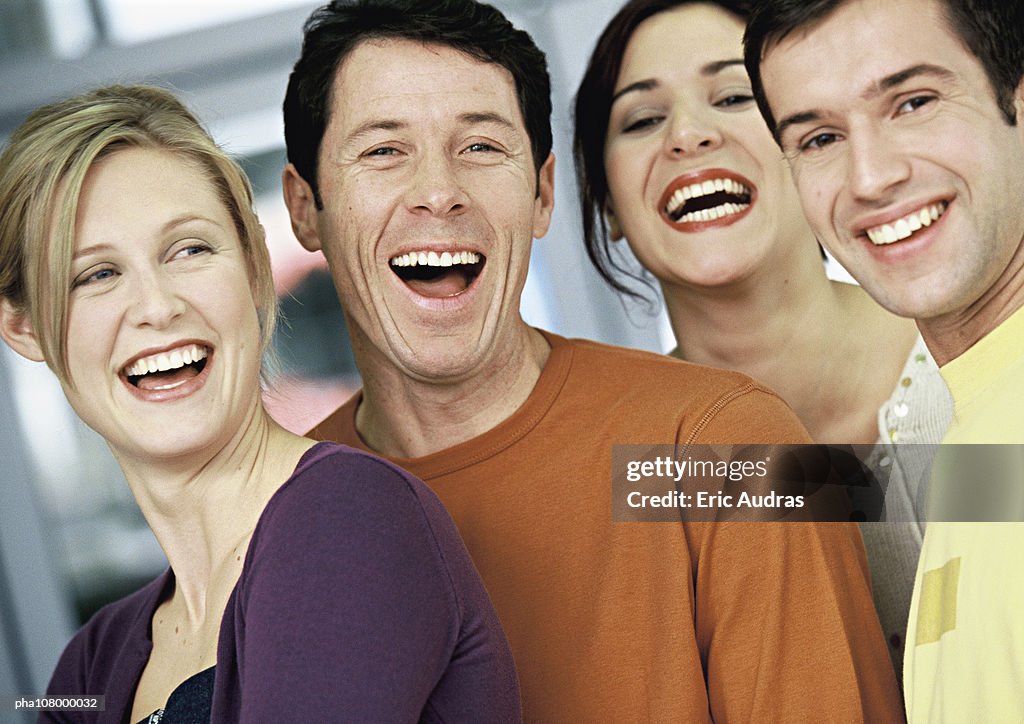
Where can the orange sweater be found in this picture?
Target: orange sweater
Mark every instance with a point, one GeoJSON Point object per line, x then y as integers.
{"type": "Point", "coordinates": [654, 621]}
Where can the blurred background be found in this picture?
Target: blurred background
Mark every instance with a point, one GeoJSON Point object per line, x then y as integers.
{"type": "Point", "coordinates": [71, 538]}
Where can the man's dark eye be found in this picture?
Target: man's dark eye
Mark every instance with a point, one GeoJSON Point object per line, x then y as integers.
{"type": "Point", "coordinates": [818, 142]}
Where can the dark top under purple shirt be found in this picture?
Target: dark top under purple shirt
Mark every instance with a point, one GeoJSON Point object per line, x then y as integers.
{"type": "Point", "coordinates": [357, 602]}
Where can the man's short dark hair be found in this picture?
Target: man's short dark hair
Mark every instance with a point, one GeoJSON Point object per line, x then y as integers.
{"type": "Point", "coordinates": [593, 108]}
{"type": "Point", "coordinates": [992, 30]}
{"type": "Point", "coordinates": [478, 30]}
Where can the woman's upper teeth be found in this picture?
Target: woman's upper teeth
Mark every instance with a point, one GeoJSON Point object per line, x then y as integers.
{"type": "Point", "coordinates": [164, 361]}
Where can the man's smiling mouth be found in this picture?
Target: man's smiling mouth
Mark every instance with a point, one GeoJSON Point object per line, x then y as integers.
{"type": "Point", "coordinates": [906, 226]}
{"type": "Point", "coordinates": [438, 275]}
{"type": "Point", "coordinates": [169, 369]}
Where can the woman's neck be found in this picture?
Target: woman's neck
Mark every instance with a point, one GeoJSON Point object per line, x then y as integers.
{"type": "Point", "coordinates": [823, 346]}
{"type": "Point", "coordinates": [203, 508]}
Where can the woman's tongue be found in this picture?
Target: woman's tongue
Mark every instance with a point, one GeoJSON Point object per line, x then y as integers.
{"type": "Point", "coordinates": [169, 378]}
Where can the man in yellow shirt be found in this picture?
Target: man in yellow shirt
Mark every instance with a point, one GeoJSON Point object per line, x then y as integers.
{"type": "Point", "coordinates": [907, 148]}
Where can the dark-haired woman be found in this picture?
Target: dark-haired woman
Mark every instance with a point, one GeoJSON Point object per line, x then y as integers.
{"type": "Point", "coordinates": [673, 156]}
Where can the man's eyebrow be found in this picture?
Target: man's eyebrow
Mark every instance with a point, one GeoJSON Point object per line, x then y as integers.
{"type": "Point", "coordinates": [900, 77]}
{"type": "Point", "coordinates": [873, 91]}
{"type": "Point", "coordinates": [795, 119]}
{"type": "Point", "coordinates": [476, 117]}
{"type": "Point", "coordinates": [376, 124]}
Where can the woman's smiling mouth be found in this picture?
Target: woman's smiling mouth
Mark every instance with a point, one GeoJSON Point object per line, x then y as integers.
{"type": "Point", "coordinates": [712, 197]}
{"type": "Point", "coordinates": [167, 370]}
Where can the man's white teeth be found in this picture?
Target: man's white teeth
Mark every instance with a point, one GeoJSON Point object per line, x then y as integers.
{"type": "Point", "coordinates": [902, 228]}
{"type": "Point", "coordinates": [432, 258]}
{"type": "Point", "coordinates": [684, 194]}
{"type": "Point", "coordinates": [715, 212]}
{"type": "Point", "coordinates": [167, 360]}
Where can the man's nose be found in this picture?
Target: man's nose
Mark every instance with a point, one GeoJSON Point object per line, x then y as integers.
{"type": "Point", "coordinates": [876, 167]}
{"type": "Point", "coordinates": [436, 188]}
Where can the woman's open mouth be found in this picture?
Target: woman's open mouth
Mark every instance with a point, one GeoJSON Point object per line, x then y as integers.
{"type": "Point", "coordinates": [167, 370]}
{"type": "Point", "coordinates": [710, 197]}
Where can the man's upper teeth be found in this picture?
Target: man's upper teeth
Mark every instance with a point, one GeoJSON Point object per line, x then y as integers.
{"type": "Point", "coordinates": [684, 194]}
{"type": "Point", "coordinates": [167, 360]}
{"type": "Point", "coordinates": [902, 228]}
{"type": "Point", "coordinates": [432, 258]}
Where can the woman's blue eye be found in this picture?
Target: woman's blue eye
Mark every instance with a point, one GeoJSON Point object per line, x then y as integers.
{"type": "Point", "coordinates": [96, 276]}
{"type": "Point", "coordinates": [192, 250]}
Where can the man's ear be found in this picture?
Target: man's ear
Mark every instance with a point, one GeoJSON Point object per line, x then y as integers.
{"type": "Point", "coordinates": [16, 330]}
{"type": "Point", "coordinates": [614, 228]}
{"type": "Point", "coordinates": [544, 204]}
{"type": "Point", "coordinates": [301, 203]}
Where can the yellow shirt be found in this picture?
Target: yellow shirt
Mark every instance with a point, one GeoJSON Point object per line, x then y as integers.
{"type": "Point", "coordinates": [965, 640]}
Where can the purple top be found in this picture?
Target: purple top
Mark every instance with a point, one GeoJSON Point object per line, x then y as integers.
{"type": "Point", "coordinates": [357, 602]}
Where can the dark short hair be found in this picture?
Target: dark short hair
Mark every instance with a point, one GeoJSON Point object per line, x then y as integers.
{"type": "Point", "coordinates": [593, 109]}
{"type": "Point", "coordinates": [992, 30]}
{"type": "Point", "coordinates": [478, 30]}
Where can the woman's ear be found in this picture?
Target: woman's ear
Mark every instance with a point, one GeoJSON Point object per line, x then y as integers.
{"type": "Point", "coordinates": [16, 330]}
{"type": "Point", "coordinates": [614, 229]}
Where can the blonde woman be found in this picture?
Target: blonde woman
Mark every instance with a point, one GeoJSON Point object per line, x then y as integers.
{"type": "Point", "coordinates": [307, 582]}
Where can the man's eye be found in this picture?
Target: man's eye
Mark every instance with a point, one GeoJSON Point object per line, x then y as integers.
{"type": "Point", "coordinates": [642, 123]}
{"type": "Point", "coordinates": [382, 151]}
{"type": "Point", "coordinates": [818, 142]}
{"type": "Point", "coordinates": [912, 104]}
{"type": "Point", "coordinates": [481, 148]}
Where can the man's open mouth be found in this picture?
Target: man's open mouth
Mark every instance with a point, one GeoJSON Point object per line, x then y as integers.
{"type": "Point", "coordinates": [438, 275]}
{"type": "Point", "coordinates": [906, 226]}
{"type": "Point", "coordinates": [707, 200]}
{"type": "Point", "coordinates": [169, 369]}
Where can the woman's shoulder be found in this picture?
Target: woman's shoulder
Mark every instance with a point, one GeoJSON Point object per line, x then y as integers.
{"type": "Point", "coordinates": [342, 497]}
{"type": "Point", "coordinates": [344, 478]}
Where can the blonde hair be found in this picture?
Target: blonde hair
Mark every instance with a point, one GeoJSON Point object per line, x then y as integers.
{"type": "Point", "coordinates": [42, 170]}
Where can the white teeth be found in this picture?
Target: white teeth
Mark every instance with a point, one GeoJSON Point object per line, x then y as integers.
{"type": "Point", "coordinates": [684, 194]}
{"type": "Point", "coordinates": [903, 228]}
{"type": "Point", "coordinates": [432, 258]}
{"type": "Point", "coordinates": [715, 212]}
{"type": "Point", "coordinates": [167, 360]}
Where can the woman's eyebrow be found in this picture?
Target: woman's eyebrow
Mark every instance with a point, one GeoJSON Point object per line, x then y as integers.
{"type": "Point", "coordinates": [638, 86]}
{"type": "Point", "coordinates": [709, 69]}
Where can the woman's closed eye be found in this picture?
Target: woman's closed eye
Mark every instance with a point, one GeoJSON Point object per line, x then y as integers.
{"type": "Point", "coordinates": [640, 124]}
{"type": "Point", "coordinates": [734, 100]}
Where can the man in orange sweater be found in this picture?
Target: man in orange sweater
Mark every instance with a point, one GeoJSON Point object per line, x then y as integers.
{"type": "Point", "coordinates": [419, 144]}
